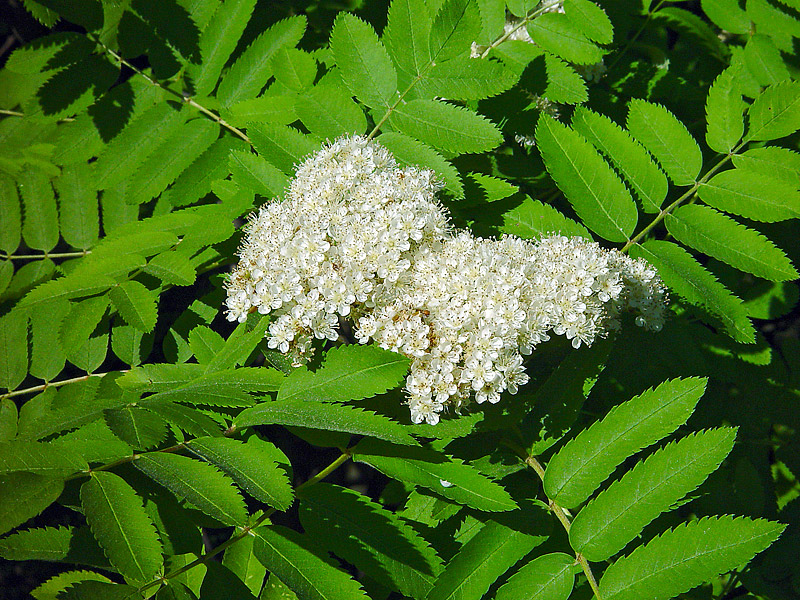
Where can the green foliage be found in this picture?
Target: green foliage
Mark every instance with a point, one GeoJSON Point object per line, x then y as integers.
{"type": "Point", "coordinates": [147, 436]}
{"type": "Point", "coordinates": [348, 373]}
{"type": "Point", "coordinates": [586, 461]}
{"type": "Point", "coordinates": [121, 526]}
{"type": "Point", "coordinates": [707, 547]}
{"type": "Point", "coordinates": [601, 200]}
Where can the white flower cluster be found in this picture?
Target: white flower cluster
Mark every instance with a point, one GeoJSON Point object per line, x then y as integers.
{"type": "Point", "coordinates": [362, 239]}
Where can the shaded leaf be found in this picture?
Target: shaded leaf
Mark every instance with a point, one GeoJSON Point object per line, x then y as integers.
{"type": "Point", "coordinates": [118, 520]}
{"type": "Point", "coordinates": [198, 483]}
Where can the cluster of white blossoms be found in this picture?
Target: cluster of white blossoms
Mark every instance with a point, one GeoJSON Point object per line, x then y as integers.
{"type": "Point", "coordinates": [360, 239]}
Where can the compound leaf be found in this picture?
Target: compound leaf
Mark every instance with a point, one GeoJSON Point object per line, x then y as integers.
{"type": "Point", "coordinates": [667, 139]}
{"type": "Point", "coordinates": [588, 459]}
{"type": "Point", "coordinates": [618, 514]}
{"type": "Point", "coordinates": [717, 235]}
{"type": "Point", "coordinates": [598, 196]}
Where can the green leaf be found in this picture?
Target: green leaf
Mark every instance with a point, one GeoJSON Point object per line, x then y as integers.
{"type": "Point", "coordinates": [289, 556]}
{"type": "Point", "coordinates": [138, 427]}
{"type": "Point", "coordinates": [218, 41]}
{"type": "Point", "coordinates": [752, 195]}
{"type": "Point", "coordinates": [690, 280]}
{"type": "Point", "coordinates": [564, 84]}
{"type": "Point", "coordinates": [618, 514]}
{"type": "Point", "coordinates": [221, 582]}
{"type": "Point", "coordinates": [255, 173]}
{"type": "Point", "coordinates": [196, 180]}
{"type": "Point", "coordinates": [129, 344]}
{"type": "Point", "coordinates": [51, 588]}
{"type": "Point", "coordinates": [24, 495]}
{"type": "Point", "coordinates": [724, 113]}
{"type": "Point", "coordinates": [588, 459]}
{"type": "Point", "coordinates": [366, 68]}
{"type": "Point", "coordinates": [454, 28]}
{"type": "Point", "coordinates": [40, 223]}
{"type": "Point", "coordinates": [770, 161]}
{"type": "Point", "coordinates": [727, 15]}
{"type": "Point", "coordinates": [95, 442]}
{"type": "Point", "coordinates": [481, 561]}
{"type": "Point", "coordinates": [367, 535]}
{"type": "Point", "coordinates": [42, 459]}
{"type": "Point", "coordinates": [205, 343]}
{"type": "Point", "coordinates": [240, 559]}
{"type": "Point", "coordinates": [408, 151]}
{"type": "Point", "coordinates": [198, 483]}
{"type": "Point", "coordinates": [13, 349]}
{"type": "Point", "coordinates": [764, 60]}
{"type": "Point", "coordinates": [348, 373]}
{"type": "Point", "coordinates": [687, 556]}
{"type": "Point", "coordinates": [296, 69]}
{"type": "Point", "coordinates": [421, 466]}
{"type": "Point", "coordinates": [465, 78]}
{"type": "Point", "coordinates": [717, 235]}
{"type": "Point", "coordinates": [269, 109]}
{"type": "Point", "coordinates": [330, 417]}
{"type": "Point", "coordinates": [328, 112]}
{"type": "Point", "coordinates": [446, 126]}
{"type": "Point", "coordinates": [598, 196]}
{"type": "Point", "coordinates": [122, 156]}
{"type": "Point", "coordinates": [249, 74]}
{"type": "Point", "coordinates": [251, 466]}
{"type": "Point", "coordinates": [241, 344]}
{"type": "Point", "coordinates": [631, 159]}
{"type": "Point", "coordinates": [191, 420]}
{"type": "Point", "coordinates": [121, 526]}
{"type": "Point", "coordinates": [68, 544]}
{"type": "Point", "coordinates": [94, 590]}
{"type": "Point", "coordinates": [191, 383]}
{"type": "Point", "coordinates": [175, 152]}
{"type": "Point", "coordinates": [533, 219]}
{"type": "Point", "coordinates": [775, 113]}
{"type": "Point", "coordinates": [284, 147]}
{"type": "Point", "coordinates": [172, 267]}
{"type": "Point", "coordinates": [406, 38]}
{"type": "Point", "coordinates": [590, 20]}
{"type": "Point", "coordinates": [136, 304]}
{"type": "Point", "coordinates": [688, 25]}
{"type": "Point", "coordinates": [82, 320]}
{"type": "Point", "coordinates": [548, 577]}
{"type": "Point", "coordinates": [667, 139]}
{"type": "Point", "coordinates": [559, 34]}
{"type": "Point", "coordinates": [78, 208]}
{"type": "Point", "coordinates": [10, 215]}
{"type": "Point", "coordinates": [8, 419]}
{"type": "Point", "coordinates": [6, 274]}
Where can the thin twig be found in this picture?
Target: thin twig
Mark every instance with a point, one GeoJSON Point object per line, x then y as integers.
{"type": "Point", "coordinates": [524, 21]}
{"type": "Point", "coordinates": [686, 196]}
{"type": "Point", "coordinates": [432, 63]}
{"type": "Point", "coordinates": [186, 99]}
{"type": "Point", "coordinates": [80, 254]}
{"type": "Point", "coordinates": [54, 384]}
{"type": "Point", "coordinates": [558, 511]}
